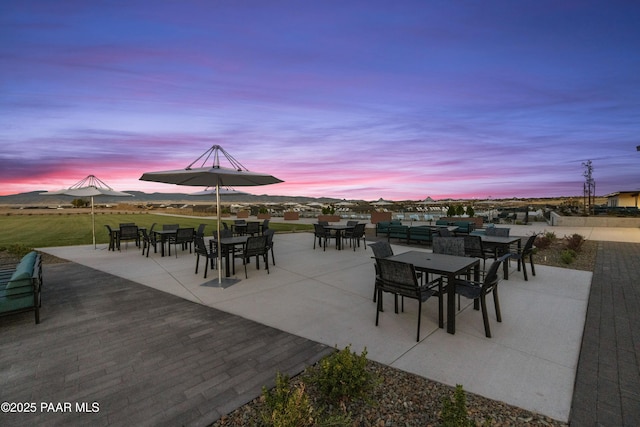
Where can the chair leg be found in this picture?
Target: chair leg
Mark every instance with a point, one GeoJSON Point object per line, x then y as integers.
{"type": "Point", "coordinates": [197, 262]}
{"type": "Point", "coordinates": [419, 318]}
{"type": "Point", "coordinates": [533, 270]}
{"type": "Point", "coordinates": [378, 305]}
{"type": "Point", "coordinates": [524, 269]}
{"type": "Point", "coordinates": [485, 316]}
{"type": "Point", "coordinates": [496, 303]}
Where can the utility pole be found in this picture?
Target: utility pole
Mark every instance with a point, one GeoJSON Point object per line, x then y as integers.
{"type": "Point", "coordinates": [589, 188]}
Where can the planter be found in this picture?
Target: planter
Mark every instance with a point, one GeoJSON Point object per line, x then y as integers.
{"type": "Point", "coordinates": [242, 214]}
{"type": "Point", "coordinates": [290, 216]}
{"type": "Point", "coordinates": [264, 216]}
{"type": "Point", "coordinates": [376, 217]}
{"type": "Point", "coordinates": [329, 218]}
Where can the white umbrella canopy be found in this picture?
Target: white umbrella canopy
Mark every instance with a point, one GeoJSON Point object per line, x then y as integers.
{"type": "Point", "coordinates": [90, 186]}
{"type": "Point", "coordinates": [213, 176]}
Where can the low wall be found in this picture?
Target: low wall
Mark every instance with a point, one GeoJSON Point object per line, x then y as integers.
{"type": "Point", "coordinates": [593, 221]}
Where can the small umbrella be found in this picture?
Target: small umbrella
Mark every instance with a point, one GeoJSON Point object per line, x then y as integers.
{"type": "Point", "coordinates": [89, 187]}
{"type": "Point", "coordinates": [213, 176]}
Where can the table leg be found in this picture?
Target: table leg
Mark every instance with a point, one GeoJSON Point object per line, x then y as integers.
{"type": "Point", "coordinates": [227, 273]}
{"type": "Point", "coordinates": [451, 303]}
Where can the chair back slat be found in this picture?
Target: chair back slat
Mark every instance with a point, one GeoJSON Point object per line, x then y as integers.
{"type": "Point", "coordinates": [497, 231]}
{"type": "Point", "coordinates": [381, 249]}
{"type": "Point", "coordinates": [473, 246]}
{"type": "Point", "coordinates": [397, 277]}
{"type": "Point", "coordinates": [448, 245]}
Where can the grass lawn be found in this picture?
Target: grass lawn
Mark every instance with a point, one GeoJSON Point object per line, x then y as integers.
{"type": "Point", "coordinates": [69, 229]}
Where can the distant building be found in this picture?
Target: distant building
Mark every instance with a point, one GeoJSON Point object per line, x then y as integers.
{"type": "Point", "coordinates": [623, 199]}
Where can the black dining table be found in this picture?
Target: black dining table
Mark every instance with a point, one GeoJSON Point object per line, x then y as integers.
{"type": "Point", "coordinates": [164, 237]}
{"type": "Point", "coordinates": [503, 244]}
{"type": "Point", "coordinates": [227, 245]}
{"type": "Point", "coordinates": [339, 228]}
{"type": "Point", "coordinates": [449, 266]}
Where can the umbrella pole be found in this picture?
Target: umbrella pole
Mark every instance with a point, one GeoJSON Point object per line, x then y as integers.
{"type": "Point", "coordinates": [93, 224]}
{"type": "Point", "coordinates": [218, 222]}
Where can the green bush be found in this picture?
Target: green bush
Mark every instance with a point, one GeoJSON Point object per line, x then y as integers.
{"type": "Point", "coordinates": [454, 413]}
{"type": "Point", "coordinates": [342, 376]}
{"type": "Point", "coordinates": [286, 407]}
{"type": "Point", "coordinates": [290, 406]}
{"type": "Point", "coordinates": [568, 256]}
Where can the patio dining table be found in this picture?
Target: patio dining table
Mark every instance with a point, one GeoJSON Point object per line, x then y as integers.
{"type": "Point", "coordinates": [502, 243]}
{"type": "Point", "coordinates": [228, 245]}
{"type": "Point", "coordinates": [164, 237]}
{"type": "Point", "coordinates": [449, 266]}
{"type": "Point", "coordinates": [339, 228]}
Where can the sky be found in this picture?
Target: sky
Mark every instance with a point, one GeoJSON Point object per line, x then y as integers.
{"type": "Point", "coordinates": [347, 99]}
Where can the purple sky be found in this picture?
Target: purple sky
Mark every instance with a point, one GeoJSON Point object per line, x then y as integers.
{"type": "Point", "coordinates": [346, 99]}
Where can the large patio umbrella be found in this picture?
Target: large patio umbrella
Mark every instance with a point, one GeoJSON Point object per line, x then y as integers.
{"type": "Point", "coordinates": [213, 176]}
{"type": "Point", "coordinates": [89, 187]}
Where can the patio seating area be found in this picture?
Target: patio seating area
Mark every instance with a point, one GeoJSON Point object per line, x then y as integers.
{"type": "Point", "coordinates": [530, 361]}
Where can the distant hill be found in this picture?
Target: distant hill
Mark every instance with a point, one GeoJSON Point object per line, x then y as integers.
{"type": "Point", "coordinates": [35, 198]}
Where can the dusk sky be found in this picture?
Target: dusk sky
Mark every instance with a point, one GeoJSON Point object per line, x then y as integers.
{"type": "Point", "coordinates": [346, 99]}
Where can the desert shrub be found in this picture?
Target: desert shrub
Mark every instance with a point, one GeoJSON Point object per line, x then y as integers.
{"type": "Point", "coordinates": [454, 412]}
{"type": "Point", "coordinates": [542, 242]}
{"type": "Point", "coordinates": [342, 376]}
{"type": "Point", "coordinates": [568, 256]}
{"type": "Point", "coordinates": [290, 406]}
{"type": "Point", "coordinates": [285, 406]}
{"type": "Point", "coordinates": [574, 242]}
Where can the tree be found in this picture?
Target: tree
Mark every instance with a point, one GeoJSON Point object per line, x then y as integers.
{"type": "Point", "coordinates": [589, 187]}
{"type": "Point", "coordinates": [79, 203]}
{"type": "Point", "coordinates": [470, 211]}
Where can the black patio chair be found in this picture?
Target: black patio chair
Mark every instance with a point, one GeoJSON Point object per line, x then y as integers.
{"type": "Point", "coordinates": [322, 234]}
{"type": "Point", "coordinates": [497, 231]}
{"type": "Point", "coordinates": [479, 291]}
{"type": "Point", "coordinates": [382, 249]}
{"type": "Point", "coordinates": [473, 248]}
{"type": "Point", "coordinates": [183, 237]}
{"type": "Point", "coordinates": [269, 233]}
{"type": "Point", "coordinates": [253, 228]}
{"type": "Point", "coordinates": [148, 240]}
{"type": "Point", "coordinates": [256, 246]}
{"type": "Point", "coordinates": [200, 230]}
{"type": "Point", "coordinates": [399, 278]}
{"type": "Point", "coordinates": [354, 236]}
{"type": "Point", "coordinates": [210, 255]}
{"type": "Point", "coordinates": [448, 245]}
{"type": "Point", "coordinates": [113, 237]}
{"type": "Point", "coordinates": [444, 232]}
{"type": "Point", "coordinates": [521, 256]}
{"type": "Point", "coordinates": [129, 233]}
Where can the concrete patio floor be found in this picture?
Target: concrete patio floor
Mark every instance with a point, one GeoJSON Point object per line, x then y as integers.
{"type": "Point", "coordinates": [326, 296]}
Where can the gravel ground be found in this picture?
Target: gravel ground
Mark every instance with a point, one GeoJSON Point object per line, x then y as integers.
{"type": "Point", "coordinates": [403, 399]}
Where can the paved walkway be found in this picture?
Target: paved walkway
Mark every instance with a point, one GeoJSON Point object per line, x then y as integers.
{"type": "Point", "coordinates": [607, 389]}
{"type": "Point", "coordinates": [145, 357]}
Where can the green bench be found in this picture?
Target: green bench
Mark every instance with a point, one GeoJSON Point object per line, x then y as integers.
{"type": "Point", "coordinates": [420, 234]}
{"type": "Point", "coordinates": [398, 232]}
{"type": "Point", "coordinates": [382, 227]}
{"type": "Point", "coordinates": [20, 287]}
